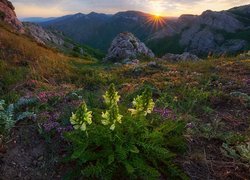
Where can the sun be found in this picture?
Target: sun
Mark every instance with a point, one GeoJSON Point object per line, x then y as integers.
{"type": "Point", "coordinates": [156, 21]}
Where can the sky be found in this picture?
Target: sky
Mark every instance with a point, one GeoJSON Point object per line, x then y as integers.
{"type": "Point", "coordinates": [174, 8]}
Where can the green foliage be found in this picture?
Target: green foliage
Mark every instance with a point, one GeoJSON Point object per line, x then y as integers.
{"type": "Point", "coordinates": [244, 34]}
{"type": "Point", "coordinates": [91, 77]}
{"type": "Point", "coordinates": [131, 148]}
{"type": "Point", "coordinates": [228, 151]}
{"type": "Point", "coordinates": [243, 97]}
{"type": "Point", "coordinates": [6, 116]}
{"type": "Point", "coordinates": [212, 130]}
{"type": "Point", "coordinates": [241, 151]}
{"type": "Point", "coordinates": [10, 75]}
{"type": "Point", "coordinates": [166, 45]}
{"type": "Point", "coordinates": [185, 99]}
{"type": "Point", "coordinates": [25, 102]}
{"type": "Point", "coordinates": [14, 112]}
{"type": "Point", "coordinates": [244, 151]}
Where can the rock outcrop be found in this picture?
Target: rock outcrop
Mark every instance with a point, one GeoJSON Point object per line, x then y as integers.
{"type": "Point", "coordinates": [220, 21]}
{"type": "Point", "coordinates": [211, 32]}
{"type": "Point", "coordinates": [54, 39]}
{"type": "Point", "coordinates": [8, 15]}
{"type": "Point", "coordinates": [127, 46]}
{"type": "Point", "coordinates": [42, 35]}
{"type": "Point", "coordinates": [180, 57]}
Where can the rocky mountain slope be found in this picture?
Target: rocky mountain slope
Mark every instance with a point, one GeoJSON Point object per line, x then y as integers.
{"type": "Point", "coordinates": [49, 38]}
{"type": "Point", "coordinates": [56, 39]}
{"type": "Point", "coordinates": [42, 35]}
{"type": "Point", "coordinates": [8, 15]}
{"type": "Point", "coordinates": [209, 33]}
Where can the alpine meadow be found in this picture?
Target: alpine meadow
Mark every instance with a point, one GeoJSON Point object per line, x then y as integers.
{"type": "Point", "coordinates": [124, 89]}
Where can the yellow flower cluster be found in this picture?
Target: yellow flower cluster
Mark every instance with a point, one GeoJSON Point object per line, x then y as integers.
{"type": "Point", "coordinates": [81, 118]}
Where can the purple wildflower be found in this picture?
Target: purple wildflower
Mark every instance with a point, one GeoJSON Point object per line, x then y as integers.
{"type": "Point", "coordinates": [64, 129]}
{"type": "Point", "coordinates": [164, 112]}
{"type": "Point", "coordinates": [50, 125]}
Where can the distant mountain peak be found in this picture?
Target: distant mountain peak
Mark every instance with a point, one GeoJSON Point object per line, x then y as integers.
{"type": "Point", "coordinates": [131, 13]}
{"type": "Point", "coordinates": [79, 15]}
{"type": "Point", "coordinates": [93, 13]}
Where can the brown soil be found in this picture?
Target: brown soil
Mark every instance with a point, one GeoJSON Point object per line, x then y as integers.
{"type": "Point", "coordinates": [205, 161]}
{"type": "Point", "coordinates": [28, 156]}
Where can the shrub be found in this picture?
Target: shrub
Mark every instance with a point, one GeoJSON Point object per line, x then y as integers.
{"type": "Point", "coordinates": [111, 146]}
{"type": "Point", "coordinates": [241, 151]}
{"type": "Point", "coordinates": [244, 151]}
{"type": "Point", "coordinates": [14, 112]}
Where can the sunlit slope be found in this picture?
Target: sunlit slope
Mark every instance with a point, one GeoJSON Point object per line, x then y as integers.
{"type": "Point", "coordinates": [41, 62]}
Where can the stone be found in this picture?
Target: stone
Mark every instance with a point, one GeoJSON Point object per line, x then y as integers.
{"type": "Point", "coordinates": [186, 56]}
{"type": "Point", "coordinates": [206, 34]}
{"type": "Point", "coordinates": [41, 35]}
{"type": "Point", "coordinates": [125, 47]}
{"type": "Point", "coordinates": [153, 64]}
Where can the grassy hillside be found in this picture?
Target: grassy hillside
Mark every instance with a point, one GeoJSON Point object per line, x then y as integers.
{"type": "Point", "coordinates": [22, 60]}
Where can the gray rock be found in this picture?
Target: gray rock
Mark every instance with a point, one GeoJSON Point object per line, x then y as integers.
{"type": "Point", "coordinates": [220, 20]}
{"type": "Point", "coordinates": [205, 34]}
{"type": "Point", "coordinates": [180, 57]}
{"type": "Point", "coordinates": [132, 62]}
{"type": "Point", "coordinates": [117, 64]}
{"type": "Point", "coordinates": [233, 46]}
{"type": "Point", "coordinates": [200, 41]}
{"type": "Point", "coordinates": [81, 51]}
{"type": "Point", "coordinates": [153, 64]}
{"type": "Point", "coordinates": [41, 35]}
{"type": "Point", "coordinates": [126, 46]}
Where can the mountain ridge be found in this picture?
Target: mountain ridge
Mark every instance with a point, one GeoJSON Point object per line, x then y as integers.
{"type": "Point", "coordinates": [89, 29]}
{"type": "Point", "coordinates": [212, 32]}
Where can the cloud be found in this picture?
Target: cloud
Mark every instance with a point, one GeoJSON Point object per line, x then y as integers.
{"type": "Point", "coordinates": [48, 8]}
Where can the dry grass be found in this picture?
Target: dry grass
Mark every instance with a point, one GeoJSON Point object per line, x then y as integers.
{"type": "Point", "coordinates": [44, 64]}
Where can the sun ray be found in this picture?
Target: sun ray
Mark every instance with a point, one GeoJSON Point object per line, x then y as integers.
{"type": "Point", "coordinates": [156, 21]}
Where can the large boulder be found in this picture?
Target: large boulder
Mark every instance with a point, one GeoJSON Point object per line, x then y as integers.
{"type": "Point", "coordinates": [8, 15]}
{"type": "Point", "coordinates": [180, 57]}
{"type": "Point", "coordinates": [127, 46]}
